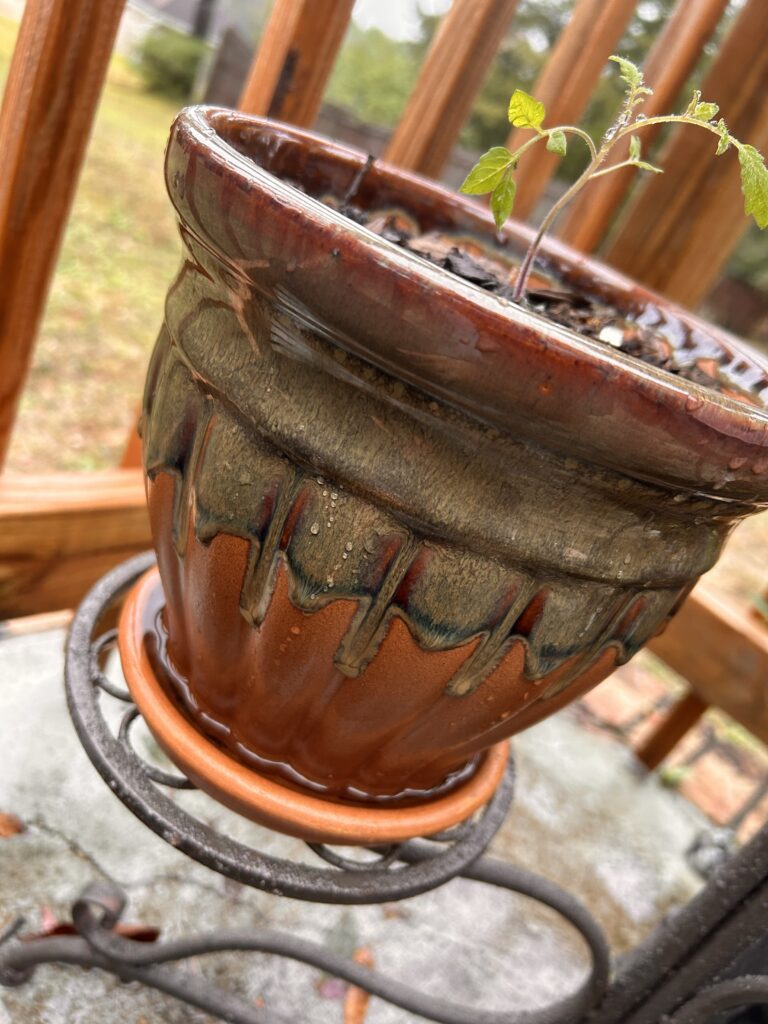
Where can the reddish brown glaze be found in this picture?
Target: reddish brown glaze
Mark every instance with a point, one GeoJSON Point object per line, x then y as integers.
{"type": "Point", "coordinates": [265, 800]}
{"type": "Point", "coordinates": [397, 518]}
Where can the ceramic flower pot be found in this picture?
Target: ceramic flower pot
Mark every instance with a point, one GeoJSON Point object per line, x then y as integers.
{"type": "Point", "coordinates": [398, 519]}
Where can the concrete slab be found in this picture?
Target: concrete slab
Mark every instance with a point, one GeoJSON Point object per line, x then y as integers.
{"type": "Point", "coordinates": [583, 817]}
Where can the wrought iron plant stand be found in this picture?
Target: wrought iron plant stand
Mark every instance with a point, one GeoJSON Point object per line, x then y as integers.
{"type": "Point", "coordinates": [692, 969]}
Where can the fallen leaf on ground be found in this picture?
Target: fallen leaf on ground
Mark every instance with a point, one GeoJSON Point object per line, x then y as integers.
{"type": "Point", "coordinates": [10, 825]}
{"type": "Point", "coordinates": [356, 1002]}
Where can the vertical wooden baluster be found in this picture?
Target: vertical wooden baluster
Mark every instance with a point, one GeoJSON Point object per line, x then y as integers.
{"type": "Point", "coordinates": [670, 62]}
{"type": "Point", "coordinates": [566, 85]}
{"type": "Point", "coordinates": [286, 81]}
{"type": "Point", "coordinates": [452, 75]}
{"type": "Point", "coordinates": [678, 721]}
{"type": "Point", "coordinates": [295, 58]}
{"type": "Point", "coordinates": [53, 87]}
{"type": "Point", "coordinates": [681, 227]}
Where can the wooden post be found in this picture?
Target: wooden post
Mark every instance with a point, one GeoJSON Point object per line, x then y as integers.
{"type": "Point", "coordinates": [681, 227]}
{"type": "Point", "coordinates": [682, 717]}
{"type": "Point", "coordinates": [53, 87]}
{"type": "Point", "coordinates": [131, 458]}
{"type": "Point", "coordinates": [451, 76]}
{"type": "Point", "coordinates": [566, 84]}
{"type": "Point", "coordinates": [669, 64]}
{"type": "Point", "coordinates": [295, 58]}
{"type": "Point", "coordinates": [721, 650]}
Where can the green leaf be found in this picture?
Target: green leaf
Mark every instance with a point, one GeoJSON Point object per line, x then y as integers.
{"type": "Point", "coordinates": [705, 111]}
{"type": "Point", "coordinates": [556, 143]}
{"type": "Point", "coordinates": [630, 72]}
{"type": "Point", "coordinates": [725, 139]}
{"type": "Point", "coordinates": [644, 166]}
{"type": "Point", "coordinates": [694, 102]}
{"type": "Point", "coordinates": [754, 184]}
{"type": "Point", "coordinates": [634, 148]}
{"type": "Point", "coordinates": [503, 199]}
{"type": "Point", "coordinates": [487, 172]}
{"type": "Point", "coordinates": [525, 111]}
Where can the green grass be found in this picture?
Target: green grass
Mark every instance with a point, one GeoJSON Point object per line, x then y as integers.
{"type": "Point", "coordinates": [119, 254]}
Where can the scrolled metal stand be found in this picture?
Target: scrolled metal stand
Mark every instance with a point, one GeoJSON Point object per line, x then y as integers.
{"type": "Point", "coordinates": [669, 978]}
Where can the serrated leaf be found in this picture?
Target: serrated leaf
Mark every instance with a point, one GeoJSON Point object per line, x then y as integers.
{"type": "Point", "coordinates": [557, 142]}
{"type": "Point", "coordinates": [503, 199]}
{"type": "Point", "coordinates": [629, 72]}
{"type": "Point", "coordinates": [634, 148]}
{"type": "Point", "coordinates": [525, 111]}
{"type": "Point", "coordinates": [754, 184]}
{"type": "Point", "coordinates": [487, 172]}
{"type": "Point", "coordinates": [705, 111]}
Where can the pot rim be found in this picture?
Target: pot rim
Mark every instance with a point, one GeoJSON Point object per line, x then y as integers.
{"type": "Point", "coordinates": [674, 432]}
{"type": "Point", "coordinates": [265, 800]}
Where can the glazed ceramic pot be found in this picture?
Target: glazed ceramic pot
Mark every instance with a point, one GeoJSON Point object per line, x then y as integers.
{"type": "Point", "coordinates": [399, 519]}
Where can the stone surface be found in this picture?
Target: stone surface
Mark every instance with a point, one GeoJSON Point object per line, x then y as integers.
{"type": "Point", "coordinates": [584, 816]}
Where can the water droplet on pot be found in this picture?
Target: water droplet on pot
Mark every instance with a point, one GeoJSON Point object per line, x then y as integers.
{"type": "Point", "coordinates": [295, 630]}
{"type": "Point", "coordinates": [334, 495]}
{"type": "Point", "coordinates": [692, 403]}
{"type": "Point", "coordinates": [315, 528]}
{"type": "Point", "coordinates": [325, 494]}
{"type": "Point", "coordinates": [627, 559]}
{"type": "Point", "coordinates": [348, 546]}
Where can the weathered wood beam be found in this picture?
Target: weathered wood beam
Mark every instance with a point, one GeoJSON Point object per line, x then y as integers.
{"type": "Point", "coordinates": [680, 228]}
{"type": "Point", "coordinates": [60, 532]}
{"type": "Point", "coordinates": [451, 77]}
{"type": "Point", "coordinates": [50, 99]}
{"type": "Point", "coordinates": [668, 66]}
{"type": "Point", "coordinates": [566, 84]}
{"type": "Point", "coordinates": [296, 56]}
{"type": "Point", "coordinates": [667, 734]}
{"type": "Point", "coordinates": [721, 650]}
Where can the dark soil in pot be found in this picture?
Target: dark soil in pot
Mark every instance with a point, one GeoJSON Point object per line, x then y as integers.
{"type": "Point", "coordinates": [641, 337]}
{"type": "Point", "coordinates": [399, 518]}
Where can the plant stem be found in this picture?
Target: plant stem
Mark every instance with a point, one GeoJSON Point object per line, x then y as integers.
{"type": "Point", "coordinates": [525, 267]}
{"type": "Point", "coordinates": [598, 156]}
{"type": "Point", "coordinates": [630, 129]}
{"type": "Point", "coordinates": [614, 167]}
{"type": "Point", "coordinates": [570, 129]}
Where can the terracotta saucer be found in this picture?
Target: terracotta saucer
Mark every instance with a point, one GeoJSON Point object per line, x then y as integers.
{"type": "Point", "coordinates": [265, 800]}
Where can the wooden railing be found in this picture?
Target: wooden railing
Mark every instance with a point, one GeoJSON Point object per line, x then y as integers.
{"type": "Point", "coordinates": [57, 534]}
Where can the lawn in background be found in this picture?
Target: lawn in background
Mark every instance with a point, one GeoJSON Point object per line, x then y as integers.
{"type": "Point", "coordinates": [119, 254]}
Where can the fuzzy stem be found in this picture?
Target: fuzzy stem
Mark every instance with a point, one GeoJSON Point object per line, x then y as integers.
{"type": "Point", "coordinates": [614, 167]}
{"type": "Point", "coordinates": [525, 267]}
{"type": "Point", "coordinates": [630, 129]}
